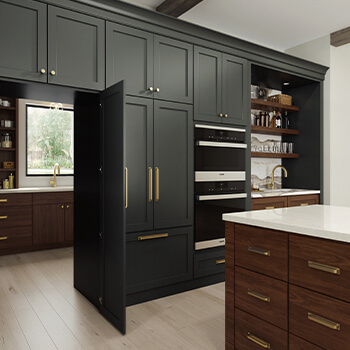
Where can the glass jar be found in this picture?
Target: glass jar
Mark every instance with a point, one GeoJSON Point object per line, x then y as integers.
{"type": "Point", "coordinates": [6, 184]}
{"type": "Point", "coordinates": [6, 140]}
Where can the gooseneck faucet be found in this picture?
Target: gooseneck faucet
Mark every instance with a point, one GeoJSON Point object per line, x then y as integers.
{"type": "Point", "coordinates": [54, 182]}
{"type": "Point", "coordinates": [272, 185]}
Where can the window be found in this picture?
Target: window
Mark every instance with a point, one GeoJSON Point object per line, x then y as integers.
{"type": "Point", "coordinates": [49, 140]}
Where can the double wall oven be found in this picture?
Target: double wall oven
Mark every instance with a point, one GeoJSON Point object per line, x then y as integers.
{"type": "Point", "coordinates": [220, 176]}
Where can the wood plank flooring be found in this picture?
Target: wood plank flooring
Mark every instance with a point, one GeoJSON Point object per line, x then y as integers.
{"type": "Point", "coordinates": [40, 309]}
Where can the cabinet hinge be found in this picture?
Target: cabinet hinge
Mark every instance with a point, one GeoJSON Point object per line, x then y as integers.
{"type": "Point", "coordinates": [100, 234]}
{"type": "Point", "coordinates": [100, 300]}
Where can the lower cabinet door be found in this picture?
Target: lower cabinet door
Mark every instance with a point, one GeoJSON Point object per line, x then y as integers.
{"type": "Point", "coordinates": [210, 262]}
{"type": "Point", "coordinates": [158, 258]}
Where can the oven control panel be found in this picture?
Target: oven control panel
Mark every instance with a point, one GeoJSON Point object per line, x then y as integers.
{"type": "Point", "coordinates": [219, 187]}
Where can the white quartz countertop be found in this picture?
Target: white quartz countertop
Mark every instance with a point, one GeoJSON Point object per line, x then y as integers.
{"type": "Point", "coordinates": [283, 192]}
{"type": "Point", "coordinates": [38, 189]}
{"type": "Point", "coordinates": [321, 221]}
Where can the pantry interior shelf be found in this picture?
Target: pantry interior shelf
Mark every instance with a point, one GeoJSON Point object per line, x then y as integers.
{"type": "Point", "coordinates": [8, 169]}
{"type": "Point", "coordinates": [278, 131]}
{"type": "Point", "coordinates": [272, 106]}
{"type": "Point", "coordinates": [7, 149]}
{"type": "Point", "coordinates": [7, 129]}
{"type": "Point", "coordinates": [8, 108]}
{"type": "Point", "coordinates": [274, 155]}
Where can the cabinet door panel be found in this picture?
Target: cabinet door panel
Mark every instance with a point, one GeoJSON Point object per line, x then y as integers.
{"type": "Point", "coordinates": [173, 70]}
{"type": "Point", "coordinates": [23, 51]}
{"type": "Point", "coordinates": [76, 49]}
{"type": "Point", "coordinates": [207, 85]}
{"type": "Point", "coordinates": [130, 58]}
{"type": "Point", "coordinates": [139, 158]}
{"type": "Point", "coordinates": [173, 156]}
{"type": "Point", "coordinates": [69, 222]}
{"type": "Point", "coordinates": [234, 90]}
{"type": "Point", "coordinates": [48, 223]}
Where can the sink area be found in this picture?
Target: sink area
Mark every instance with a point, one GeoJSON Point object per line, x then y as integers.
{"type": "Point", "coordinates": [283, 192]}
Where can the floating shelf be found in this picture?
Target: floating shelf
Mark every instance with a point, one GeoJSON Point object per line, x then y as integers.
{"type": "Point", "coordinates": [7, 149]}
{"type": "Point", "coordinates": [8, 108]}
{"type": "Point", "coordinates": [9, 170]}
{"type": "Point", "coordinates": [7, 129]}
{"type": "Point", "coordinates": [272, 106]}
{"type": "Point", "coordinates": [274, 155]}
{"type": "Point", "coordinates": [278, 131]}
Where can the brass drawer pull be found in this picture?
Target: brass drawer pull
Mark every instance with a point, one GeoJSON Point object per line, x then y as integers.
{"type": "Point", "coordinates": [3, 238]}
{"type": "Point", "coordinates": [259, 296]}
{"type": "Point", "coordinates": [259, 251]}
{"type": "Point", "coordinates": [150, 184]}
{"type": "Point", "coordinates": [157, 184]}
{"type": "Point", "coordinates": [304, 204]}
{"type": "Point", "coordinates": [3, 217]}
{"type": "Point", "coordinates": [126, 188]}
{"type": "Point", "coordinates": [269, 207]}
{"type": "Point", "coordinates": [222, 261]}
{"type": "Point", "coordinates": [264, 344]}
{"type": "Point", "coordinates": [161, 235]}
{"type": "Point", "coordinates": [3, 200]}
{"type": "Point", "coordinates": [323, 321]}
{"type": "Point", "coordinates": [325, 268]}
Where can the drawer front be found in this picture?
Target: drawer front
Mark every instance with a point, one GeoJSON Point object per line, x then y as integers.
{"type": "Point", "coordinates": [209, 263]}
{"type": "Point", "coordinates": [262, 250]}
{"type": "Point", "coordinates": [15, 199]}
{"type": "Point", "coordinates": [320, 265]}
{"type": "Point", "coordinates": [16, 216]}
{"type": "Point", "coordinates": [158, 258]}
{"type": "Point", "coordinates": [296, 201]}
{"type": "Point", "coordinates": [249, 331]}
{"type": "Point", "coordinates": [53, 198]}
{"type": "Point", "coordinates": [296, 343]}
{"type": "Point", "coordinates": [13, 237]}
{"type": "Point", "coordinates": [316, 318]}
{"type": "Point", "coordinates": [268, 203]}
{"type": "Point", "coordinates": [262, 296]}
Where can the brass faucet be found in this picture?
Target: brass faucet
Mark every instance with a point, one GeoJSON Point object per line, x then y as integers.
{"type": "Point", "coordinates": [56, 167]}
{"type": "Point", "coordinates": [272, 184]}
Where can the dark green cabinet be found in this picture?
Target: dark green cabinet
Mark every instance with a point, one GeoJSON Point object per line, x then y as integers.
{"type": "Point", "coordinates": [152, 66]}
{"type": "Point", "coordinates": [220, 87]}
{"type": "Point", "coordinates": [76, 46]}
{"type": "Point", "coordinates": [23, 28]}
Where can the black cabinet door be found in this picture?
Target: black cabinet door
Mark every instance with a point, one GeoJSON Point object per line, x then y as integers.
{"type": "Point", "coordinates": [23, 51]}
{"type": "Point", "coordinates": [76, 49]}
{"type": "Point", "coordinates": [234, 91]}
{"type": "Point", "coordinates": [130, 58]}
{"type": "Point", "coordinates": [207, 85]}
{"type": "Point", "coordinates": [173, 70]}
{"type": "Point", "coordinates": [139, 161]}
{"type": "Point", "coordinates": [173, 164]}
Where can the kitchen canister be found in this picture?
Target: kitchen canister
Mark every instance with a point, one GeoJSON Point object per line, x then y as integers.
{"type": "Point", "coordinates": [6, 184]}
{"type": "Point", "coordinates": [11, 181]}
{"type": "Point", "coordinates": [6, 140]}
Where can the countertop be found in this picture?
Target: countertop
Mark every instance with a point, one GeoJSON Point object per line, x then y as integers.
{"type": "Point", "coordinates": [321, 221]}
{"type": "Point", "coordinates": [283, 192]}
{"type": "Point", "coordinates": [38, 189]}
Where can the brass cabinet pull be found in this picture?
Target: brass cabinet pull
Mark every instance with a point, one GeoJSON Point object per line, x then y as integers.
{"type": "Point", "coordinates": [226, 115]}
{"type": "Point", "coordinates": [126, 188]}
{"type": "Point", "coordinates": [157, 184]}
{"type": "Point", "coordinates": [325, 268]}
{"type": "Point", "coordinates": [157, 90]}
{"type": "Point", "coordinates": [264, 344]}
{"type": "Point", "coordinates": [222, 261]}
{"type": "Point", "coordinates": [3, 217]}
{"type": "Point", "coordinates": [42, 70]}
{"type": "Point", "coordinates": [62, 206]}
{"type": "Point", "coordinates": [259, 296]}
{"type": "Point", "coordinates": [269, 207]}
{"type": "Point", "coordinates": [150, 184]}
{"type": "Point", "coordinates": [3, 200]}
{"type": "Point", "coordinates": [67, 206]}
{"type": "Point", "coordinates": [304, 204]}
{"type": "Point", "coordinates": [3, 238]}
{"type": "Point", "coordinates": [221, 115]}
{"type": "Point", "coordinates": [160, 235]}
{"type": "Point", "coordinates": [53, 72]}
{"type": "Point", "coordinates": [259, 251]}
{"type": "Point", "coordinates": [323, 321]}
{"type": "Point", "coordinates": [150, 88]}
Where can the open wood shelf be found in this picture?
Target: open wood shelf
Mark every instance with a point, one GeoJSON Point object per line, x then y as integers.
{"type": "Point", "coordinates": [278, 131]}
{"type": "Point", "coordinates": [8, 108]}
{"type": "Point", "coordinates": [7, 149]}
{"type": "Point", "coordinates": [274, 155]}
{"type": "Point", "coordinates": [7, 129]}
{"type": "Point", "coordinates": [270, 106]}
{"type": "Point", "coordinates": [7, 169]}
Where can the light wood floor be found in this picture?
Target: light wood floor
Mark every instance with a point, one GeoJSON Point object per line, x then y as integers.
{"type": "Point", "coordinates": [40, 309]}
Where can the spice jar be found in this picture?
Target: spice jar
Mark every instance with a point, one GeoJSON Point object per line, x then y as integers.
{"type": "Point", "coordinates": [6, 140]}
{"type": "Point", "coordinates": [5, 184]}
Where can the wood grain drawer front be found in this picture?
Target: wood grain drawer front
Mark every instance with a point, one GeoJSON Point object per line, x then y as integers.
{"type": "Point", "coordinates": [296, 343]}
{"type": "Point", "coordinates": [16, 216]}
{"type": "Point", "coordinates": [321, 265]}
{"type": "Point", "coordinates": [12, 237]}
{"type": "Point", "coordinates": [15, 199]}
{"type": "Point", "coordinates": [262, 296]}
{"type": "Point", "coordinates": [251, 333]}
{"type": "Point", "coordinates": [53, 198]}
{"type": "Point", "coordinates": [322, 320]}
{"type": "Point", "coordinates": [262, 250]}
{"type": "Point", "coordinates": [296, 201]}
{"type": "Point", "coordinates": [268, 203]}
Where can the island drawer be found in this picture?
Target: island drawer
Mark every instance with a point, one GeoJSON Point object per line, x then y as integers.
{"type": "Point", "coordinates": [12, 237]}
{"type": "Point", "coordinates": [321, 265]}
{"type": "Point", "coordinates": [262, 296]}
{"type": "Point", "coordinates": [303, 200]}
{"type": "Point", "coordinates": [253, 333]}
{"type": "Point", "coordinates": [269, 203]}
{"type": "Point", "coordinates": [16, 216]}
{"type": "Point", "coordinates": [15, 199]}
{"type": "Point", "coordinates": [319, 319]}
{"type": "Point", "coordinates": [296, 343]}
{"type": "Point", "coordinates": [262, 250]}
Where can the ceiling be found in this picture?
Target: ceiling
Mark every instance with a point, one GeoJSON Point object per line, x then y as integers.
{"type": "Point", "coordinates": [278, 24]}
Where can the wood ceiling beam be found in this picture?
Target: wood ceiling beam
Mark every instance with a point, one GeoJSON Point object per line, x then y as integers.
{"type": "Point", "coordinates": [341, 37]}
{"type": "Point", "coordinates": [176, 8]}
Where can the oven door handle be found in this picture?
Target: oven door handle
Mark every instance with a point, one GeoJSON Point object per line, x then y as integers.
{"type": "Point", "coordinates": [221, 144]}
{"type": "Point", "coordinates": [221, 196]}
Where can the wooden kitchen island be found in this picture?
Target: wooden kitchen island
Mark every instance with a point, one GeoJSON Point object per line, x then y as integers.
{"type": "Point", "coordinates": [288, 279]}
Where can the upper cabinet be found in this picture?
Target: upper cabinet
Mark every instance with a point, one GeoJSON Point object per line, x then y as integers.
{"type": "Point", "coordinates": [152, 66]}
{"type": "Point", "coordinates": [220, 87]}
{"type": "Point", "coordinates": [23, 52]}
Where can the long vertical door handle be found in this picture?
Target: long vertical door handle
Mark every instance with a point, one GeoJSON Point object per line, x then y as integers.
{"type": "Point", "coordinates": [157, 184]}
{"type": "Point", "coordinates": [150, 198]}
{"type": "Point", "coordinates": [126, 188]}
